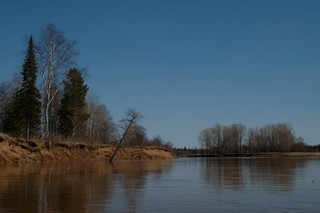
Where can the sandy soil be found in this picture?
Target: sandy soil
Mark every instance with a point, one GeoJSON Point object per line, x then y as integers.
{"type": "Point", "coordinates": [13, 150]}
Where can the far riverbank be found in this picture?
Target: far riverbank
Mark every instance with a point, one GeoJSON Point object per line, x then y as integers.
{"type": "Point", "coordinates": [262, 154]}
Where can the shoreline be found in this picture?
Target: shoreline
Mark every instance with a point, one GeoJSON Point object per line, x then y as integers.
{"type": "Point", "coordinates": [262, 154]}
{"type": "Point", "coordinates": [13, 150]}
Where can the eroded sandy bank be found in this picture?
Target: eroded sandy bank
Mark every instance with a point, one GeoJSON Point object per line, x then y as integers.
{"type": "Point", "coordinates": [14, 150]}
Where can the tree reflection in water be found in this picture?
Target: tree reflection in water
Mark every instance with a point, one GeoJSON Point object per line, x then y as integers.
{"type": "Point", "coordinates": [73, 187]}
{"type": "Point", "coordinates": [236, 173]}
{"type": "Point", "coordinates": [133, 177]}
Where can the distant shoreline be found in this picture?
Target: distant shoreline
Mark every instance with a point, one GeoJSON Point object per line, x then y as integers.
{"type": "Point", "coordinates": [262, 154]}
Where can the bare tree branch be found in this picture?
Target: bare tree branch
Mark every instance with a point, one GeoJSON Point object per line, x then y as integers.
{"type": "Point", "coordinates": [55, 56]}
{"type": "Point", "coordinates": [131, 119]}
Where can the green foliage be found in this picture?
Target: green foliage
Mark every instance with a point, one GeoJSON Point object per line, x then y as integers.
{"type": "Point", "coordinates": [24, 110]}
{"type": "Point", "coordinates": [29, 94]}
{"type": "Point", "coordinates": [73, 113]}
{"type": "Point", "coordinates": [12, 123]}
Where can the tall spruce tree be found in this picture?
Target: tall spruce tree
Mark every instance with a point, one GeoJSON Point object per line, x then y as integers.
{"type": "Point", "coordinates": [24, 110]}
{"type": "Point", "coordinates": [29, 94]}
{"type": "Point", "coordinates": [73, 112]}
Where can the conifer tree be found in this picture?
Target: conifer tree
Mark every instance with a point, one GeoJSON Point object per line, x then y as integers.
{"type": "Point", "coordinates": [12, 123]}
{"type": "Point", "coordinates": [29, 94]}
{"type": "Point", "coordinates": [24, 110]}
{"type": "Point", "coordinates": [73, 112]}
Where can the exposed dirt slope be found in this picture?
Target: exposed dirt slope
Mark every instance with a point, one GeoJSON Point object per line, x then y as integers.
{"type": "Point", "coordinates": [13, 150]}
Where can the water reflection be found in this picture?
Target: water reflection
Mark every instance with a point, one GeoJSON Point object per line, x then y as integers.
{"type": "Point", "coordinates": [132, 178]}
{"type": "Point", "coordinates": [236, 173]}
{"type": "Point", "coordinates": [73, 187]}
{"type": "Point", "coordinates": [182, 185]}
{"type": "Point", "coordinates": [223, 172]}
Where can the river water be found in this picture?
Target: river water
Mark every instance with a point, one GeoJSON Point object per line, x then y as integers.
{"type": "Point", "coordinates": [180, 185]}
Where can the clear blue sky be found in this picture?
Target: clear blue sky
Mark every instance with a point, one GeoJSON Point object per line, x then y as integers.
{"type": "Point", "coordinates": [186, 65]}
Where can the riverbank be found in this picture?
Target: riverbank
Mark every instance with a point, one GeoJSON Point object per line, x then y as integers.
{"type": "Point", "coordinates": [289, 154]}
{"type": "Point", "coordinates": [262, 154]}
{"type": "Point", "coordinates": [13, 150]}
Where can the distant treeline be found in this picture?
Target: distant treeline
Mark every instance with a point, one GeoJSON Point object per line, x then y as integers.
{"type": "Point", "coordinates": [49, 98]}
{"type": "Point", "coordinates": [199, 152]}
{"type": "Point", "coordinates": [237, 139]}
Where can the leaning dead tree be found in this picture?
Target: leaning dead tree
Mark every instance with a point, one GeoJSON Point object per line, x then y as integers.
{"type": "Point", "coordinates": [127, 124]}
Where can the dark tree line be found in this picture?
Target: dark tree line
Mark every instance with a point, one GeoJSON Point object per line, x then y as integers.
{"type": "Point", "coordinates": [237, 139]}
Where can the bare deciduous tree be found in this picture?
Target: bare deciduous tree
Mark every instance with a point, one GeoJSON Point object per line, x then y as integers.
{"type": "Point", "coordinates": [231, 139]}
{"type": "Point", "coordinates": [237, 134]}
{"type": "Point", "coordinates": [131, 121]}
{"type": "Point", "coordinates": [206, 139]}
{"type": "Point", "coordinates": [55, 55]}
{"type": "Point", "coordinates": [100, 127]}
{"type": "Point", "coordinates": [136, 136]}
{"type": "Point", "coordinates": [217, 132]}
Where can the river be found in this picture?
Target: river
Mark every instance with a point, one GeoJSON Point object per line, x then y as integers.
{"type": "Point", "coordinates": [180, 185]}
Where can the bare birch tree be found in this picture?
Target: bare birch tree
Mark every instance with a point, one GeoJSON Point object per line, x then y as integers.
{"type": "Point", "coordinates": [55, 55]}
{"type": "Point", "coordinates": [100, 127]}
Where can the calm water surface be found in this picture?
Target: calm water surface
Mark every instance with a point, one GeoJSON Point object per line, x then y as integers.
{"type": "Point", "coordinates": [181, 185]}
